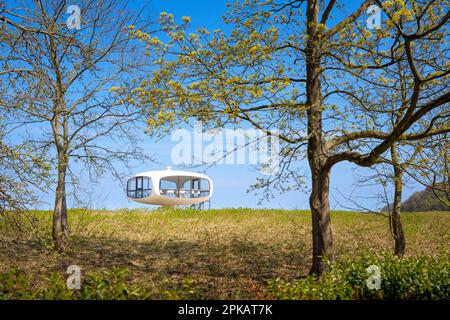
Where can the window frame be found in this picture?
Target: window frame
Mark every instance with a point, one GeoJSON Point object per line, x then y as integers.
{"type": "Point", "coordinates": [141, 191]}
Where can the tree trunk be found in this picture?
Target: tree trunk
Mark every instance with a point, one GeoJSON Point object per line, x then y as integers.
{"type": "Point", "coordinates": [64, 221]}
{"type": "Point", "coordinates": [60, 225]}
{"type": "Point", "coordinates": [396, 223]}
{"type": "Point", "coordinates": [321, 222]}
{"type": "Point", "coordinates": [317, 151]}
{"type": "Point", "coordinates": [60, 132]}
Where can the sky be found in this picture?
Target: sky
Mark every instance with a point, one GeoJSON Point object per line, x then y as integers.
{"type": "Point", "coordinates": [231, 182]}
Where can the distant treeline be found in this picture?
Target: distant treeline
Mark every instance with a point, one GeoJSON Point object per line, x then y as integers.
{"type": "Point", "coordinates": [426, 200]}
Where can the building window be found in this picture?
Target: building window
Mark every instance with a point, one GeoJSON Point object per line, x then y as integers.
{"type": "Point", "coordinates": [168, 188]}
{"type": "Point", "coordinates": [139, 187]}
{"type": "Point", "coordinates": [196, 188]}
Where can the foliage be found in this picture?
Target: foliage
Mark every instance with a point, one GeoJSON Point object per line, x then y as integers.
{"type": "Point", "coordinates": [15, 285]}
{"type": "Point", "coordinates": [104, 285]}
{"type": "Point", "coordinates": [22, 169]}
{"type": "Point", "coordinates": [422, 201]}
{"type": "Point", "coordinates": [184, 290]}
{"type": "Point", "coordinates": [418, 277]}
{"type": "Point", "coordinates": [373, 82]}
{"type": "Point", "coordinates": [425, 201]}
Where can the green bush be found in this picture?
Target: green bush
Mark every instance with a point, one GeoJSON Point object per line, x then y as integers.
{"type": "Point", "coordinates": [110, 285]}
{"type": "Point", "coordinates": [184, 290]}
{"type": "Point", "coordinates": [105, 285]}
{"type": "Point", "coordinates": [419, 277]}
{"type": "Point", "coordinates": [15, 285]}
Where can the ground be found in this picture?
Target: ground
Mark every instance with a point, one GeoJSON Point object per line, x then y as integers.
{"type": "Point", "coordinates": [222, 253]}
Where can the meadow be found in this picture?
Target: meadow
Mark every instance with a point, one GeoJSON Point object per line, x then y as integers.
{"type": "Point", "coordinates": [210, 254]}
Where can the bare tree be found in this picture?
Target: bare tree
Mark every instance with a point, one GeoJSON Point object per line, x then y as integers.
{"type": "Point", "coordinates": [22, 172]}
{"type": "Point", "coordinates": [22, 168]}
{"type": "Point", "coordinates": [432, 167]}
{"type": "Point", "coordinates": [58, 82]}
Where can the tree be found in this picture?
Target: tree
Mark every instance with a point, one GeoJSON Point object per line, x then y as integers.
{"type": "Point", "coordinates": [327, 83]}
{"type": "Point", "coordinates": [422, 162]}
{"type": "Point", "coordinates": [433, 169]}
{"type": "Point", "coordinates": [22, 169]}
{"type": "Point", "coordinates": [58, 81]}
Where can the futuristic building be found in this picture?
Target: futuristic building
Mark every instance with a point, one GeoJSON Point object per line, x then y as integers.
{"type": "Point", "coordinates": [170, 188]}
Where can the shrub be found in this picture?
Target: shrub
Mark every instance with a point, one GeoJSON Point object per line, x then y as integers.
{"type": "Point", "coordinates": [110, 285]}
{"type": "Point", "coordinates": [15, 285]}
{"type": "Point", "coordinates": [184, 290]}
{"type": "Point", "coordinates": [418, 277]}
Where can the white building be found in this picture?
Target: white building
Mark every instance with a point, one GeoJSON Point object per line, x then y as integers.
{"type": "Point", "coordinates": [169, 188]}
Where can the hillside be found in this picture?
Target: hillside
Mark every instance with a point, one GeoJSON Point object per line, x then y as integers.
{"type": "Point", "coordinates": [422, 201]}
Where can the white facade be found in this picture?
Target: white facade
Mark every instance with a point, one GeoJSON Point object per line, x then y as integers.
{"type": "Point", "coordinates": [169, 187]}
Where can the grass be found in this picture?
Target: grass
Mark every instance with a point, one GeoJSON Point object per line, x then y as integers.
{"type": "Point", "coordinates": [221, 254]}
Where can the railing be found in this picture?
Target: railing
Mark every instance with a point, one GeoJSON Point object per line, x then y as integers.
{"type": "Point", "coordinates": [171, 193]}
{"type": "Point", "coordinates": [138, 194]}
{"type": "Point", "coordinates": [185, 194]}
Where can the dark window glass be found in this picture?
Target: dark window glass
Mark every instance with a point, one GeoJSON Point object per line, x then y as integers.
{"type": "Point", "coordinates": [195, 184]}
{"type": "Point", "coordinates": [139, 187]}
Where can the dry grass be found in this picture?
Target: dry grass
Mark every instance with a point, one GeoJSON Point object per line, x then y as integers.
{"type": "Point", "coordinates": [227, 253]}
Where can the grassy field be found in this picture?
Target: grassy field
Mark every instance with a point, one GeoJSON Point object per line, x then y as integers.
{"type": "Point", "coordinates": [228, 253]}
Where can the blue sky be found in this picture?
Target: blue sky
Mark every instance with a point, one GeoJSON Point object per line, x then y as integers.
{"type": "Point", "coordinates": [230, 181]}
